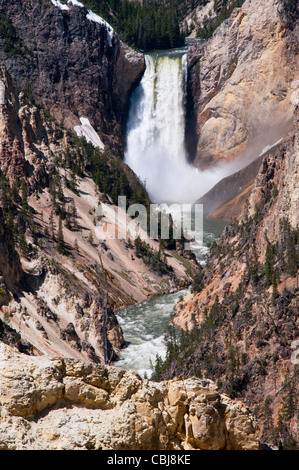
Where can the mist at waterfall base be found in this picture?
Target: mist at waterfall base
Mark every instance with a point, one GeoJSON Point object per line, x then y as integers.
{"type": "Point", "coordinates": [155, 148]}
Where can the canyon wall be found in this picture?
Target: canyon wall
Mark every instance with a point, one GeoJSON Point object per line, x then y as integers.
{"type": "Point", "coordinates": [50, 295]}
{"type": "Point", "coordinates": [64, 404]}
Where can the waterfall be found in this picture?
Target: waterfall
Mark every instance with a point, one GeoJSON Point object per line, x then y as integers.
{"type": "Point", "coordinates": [155, 147]}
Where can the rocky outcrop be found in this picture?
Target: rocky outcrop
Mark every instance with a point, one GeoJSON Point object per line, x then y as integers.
{"type": "Point", "coordinates": [230, 187]}
{"type": "Point", "coordinates": [274, 198]}
{"type": "Point", "coordinates": [240, 85]}
{"type": "Point", "coordinates": [29, 138]}
{"type": "Point", "coordinates": [71, 62]}
{"type": "Point", "coordinates": [198, 16]}
{"type": "Point", "coordinates": [30, 144]}
{"type": "Point", "coordinates": [245, 307]}
{"type": "Point", "coordinates": [231, 209]}
{"type": "Point", "coordinates": [64, 404]}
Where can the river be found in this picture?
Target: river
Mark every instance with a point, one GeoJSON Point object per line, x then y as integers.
{"type": "Point", "coordinates": [144, 324]}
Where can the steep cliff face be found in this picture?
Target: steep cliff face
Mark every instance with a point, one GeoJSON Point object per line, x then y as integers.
{"type": "Point", "coordinates": [10, 154]}
{"type": "Point", "coordinates": [64, 404]}
{"type": "Point", "coordinates": [70, 61]}
{"type": "Point", "coordinates": [243, 312]}
{"type": "Point", "coordinates": [230, 187]}
{"type": "Point", "coordinates": [240, 85]}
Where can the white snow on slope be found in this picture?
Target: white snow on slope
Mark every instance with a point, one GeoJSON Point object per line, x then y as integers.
{"type": "Point", "coordinates": [2, 93]}
{"type": "Point", "coordinates": [59, 5]}
{"type": "Point", "coordinates": [86, 130]}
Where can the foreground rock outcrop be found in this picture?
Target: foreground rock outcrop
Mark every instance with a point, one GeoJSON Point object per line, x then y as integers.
{"type": "Point", "coordinates": [66, 404]}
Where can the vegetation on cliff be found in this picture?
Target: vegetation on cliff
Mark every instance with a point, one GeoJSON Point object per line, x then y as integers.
{"type": "Point", "coordinates": [147, 25]}
{"type": "Point", "coordinates": [223, 10]}
{"type": "Point", "coordinates": [159, 25]}
{"type": "Point", "coordinates": [108, 171]}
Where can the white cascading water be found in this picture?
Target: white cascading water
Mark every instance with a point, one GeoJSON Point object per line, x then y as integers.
{"type": "Point", "coordinates": [156, 133]}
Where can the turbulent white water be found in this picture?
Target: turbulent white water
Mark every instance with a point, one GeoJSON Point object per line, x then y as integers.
{"type": "Point", "coordinates": [156, 133]}
{"type": "Point", "coordinates": [156, 153]}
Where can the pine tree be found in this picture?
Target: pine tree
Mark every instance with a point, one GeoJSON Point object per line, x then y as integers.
{"type": "Point", "coordinates": [23, 244]}
{"type": "Point", "coordinates": [90, 238]}
{"type": "Point", "coordinates": [275, 282]}
{"type": "Point", "coordinates": [292, 253]}
{"type": "Point", "coordinates": [10, 224]}
{"type": "Point", "coordinates": [15, 192]}
{"type": "Point", "coordinates": [268, 418]}
{"type": "Point", "coordinates": [68, 222]}
{"type": "Point", "coordinates": [73, 213]}
{"type": "Point", "coordinates": [60, 193]}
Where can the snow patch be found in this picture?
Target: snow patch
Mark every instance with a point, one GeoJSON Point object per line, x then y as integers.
{"type": "Point", "coordinates": [295, 94]}
{"type": "Point", "coordinates": [97, 19]}
{"type": "Point", "coordinates": [86, 130]}
{"type": "Point", "coordinates": [295, 98]}
{"type": "Point", "coordinates": [60, 5]}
